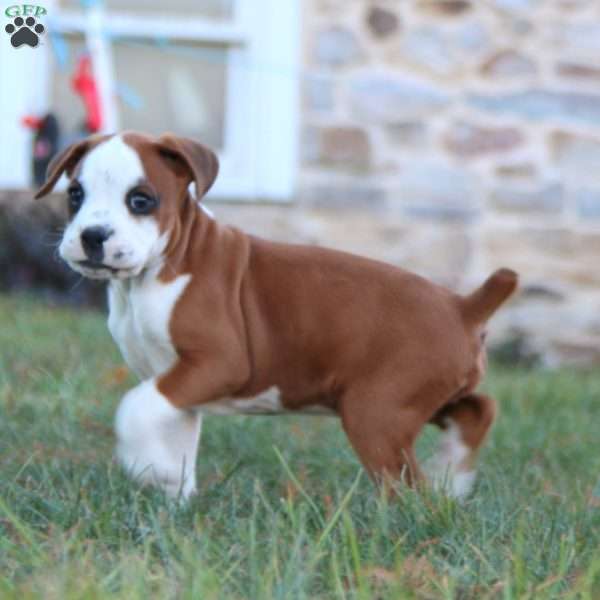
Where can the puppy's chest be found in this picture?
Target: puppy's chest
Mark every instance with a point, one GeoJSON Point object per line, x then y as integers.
{"type": "Point", "coordinates": [139, 319]}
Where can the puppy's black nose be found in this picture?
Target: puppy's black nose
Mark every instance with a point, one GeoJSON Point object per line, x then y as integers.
{"type": "Point", "coordinates": [92, 240]}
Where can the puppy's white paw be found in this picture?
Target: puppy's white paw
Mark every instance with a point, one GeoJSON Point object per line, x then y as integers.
{"type": "Point", "coordinates": [156, 442]}
{"type": "Point", "coordinates": [446, 477]}
{"type": "Point", "coordinates": [447, 470]}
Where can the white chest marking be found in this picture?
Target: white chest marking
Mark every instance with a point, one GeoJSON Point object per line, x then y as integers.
{"type": "Point", "coordinates": [266, 403]}
{"type": "Point", "coordinates": [140, 313]}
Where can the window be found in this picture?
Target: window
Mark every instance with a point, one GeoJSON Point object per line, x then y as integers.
{"type": "Point", "coordinates": [221, 71]}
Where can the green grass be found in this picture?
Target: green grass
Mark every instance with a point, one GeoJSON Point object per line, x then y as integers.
{"type": "Point", "coordinates": [284, 510]}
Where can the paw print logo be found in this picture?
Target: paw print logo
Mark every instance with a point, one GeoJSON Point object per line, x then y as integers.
{"type": "Point", "coordinates": [24, 32]}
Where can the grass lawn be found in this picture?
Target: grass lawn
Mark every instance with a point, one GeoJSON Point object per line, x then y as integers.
{"type": "Point", "coordinates": [284, 510]}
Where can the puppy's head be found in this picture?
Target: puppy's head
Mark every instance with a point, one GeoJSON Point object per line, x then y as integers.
{"type": "Point", "coordinates": [126, 197]}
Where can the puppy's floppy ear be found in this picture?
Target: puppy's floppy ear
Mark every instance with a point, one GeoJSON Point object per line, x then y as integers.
{"type": "Point", "coordinates": [201, 162]}
{"type": "Point", "coordinates": [66, 161]}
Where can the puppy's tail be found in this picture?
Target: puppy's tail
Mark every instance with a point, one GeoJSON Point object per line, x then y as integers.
{"type": "Point", "coordinates": [479, 306]}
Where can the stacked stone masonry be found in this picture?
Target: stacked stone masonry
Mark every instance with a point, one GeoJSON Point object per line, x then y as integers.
{"type": "Point", "coordinates": [452, 137]}
{"type": "Point", "coordinates": [456, 136]}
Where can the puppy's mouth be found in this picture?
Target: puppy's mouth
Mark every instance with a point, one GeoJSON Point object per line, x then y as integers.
{"type": "Point", "coordinates": [98, 270]}
{"type": "Point", "coordinates": [97, 266]}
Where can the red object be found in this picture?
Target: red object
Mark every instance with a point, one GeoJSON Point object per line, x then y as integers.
{"type": "Point", "coordinates": [84, 84]}
{"type": "Point", "coordinates": [32, 122]}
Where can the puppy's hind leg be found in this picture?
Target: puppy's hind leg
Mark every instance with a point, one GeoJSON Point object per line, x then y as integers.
{"type": "Point", "coordinates": [157, 442]}
{"type": "Point", "coordinates": [382, 433]}
{"type": "Point", "coordinates": [465, 424]}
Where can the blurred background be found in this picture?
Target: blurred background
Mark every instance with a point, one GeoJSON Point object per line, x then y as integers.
{"type": "Point", "coordinates": [445, 136]}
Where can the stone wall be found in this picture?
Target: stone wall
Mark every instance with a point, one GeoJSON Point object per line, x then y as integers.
{"type": "Point", "coordinates": [450, 137]}
{"type": "Point", "coordinates": [469, 131]}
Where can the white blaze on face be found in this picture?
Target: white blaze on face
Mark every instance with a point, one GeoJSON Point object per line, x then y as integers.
{"type": "Point", "coordinates": [107, 174]}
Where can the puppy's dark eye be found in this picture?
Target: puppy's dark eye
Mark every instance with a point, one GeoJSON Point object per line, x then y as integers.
{"type": "Point", "coordinates": [140, 203]}
{"type": "Point", "coordinates": [76, 195]}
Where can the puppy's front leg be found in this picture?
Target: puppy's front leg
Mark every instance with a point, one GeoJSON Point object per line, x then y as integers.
{"type": "Point", "coordinates": [157, 442]}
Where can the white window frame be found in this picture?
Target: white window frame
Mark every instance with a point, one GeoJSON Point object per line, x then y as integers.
{"type": "Point", "coordinates": [260, 151]}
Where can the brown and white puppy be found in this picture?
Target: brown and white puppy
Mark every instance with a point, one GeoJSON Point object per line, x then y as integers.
{"type": "Point", "coordinates": [215, 321]}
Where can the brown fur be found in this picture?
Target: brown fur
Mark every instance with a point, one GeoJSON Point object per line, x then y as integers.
{"type": "Point", "coordinates": [386, 349]}
{"type": "Point", "coordinates": [67, 161]}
